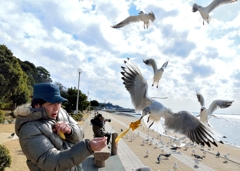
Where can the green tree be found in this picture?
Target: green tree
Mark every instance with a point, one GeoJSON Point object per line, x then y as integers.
{"type": "Point", "coordinates": [13, 81]}
{"type": "Point", "coordinates": [63, 89]}
{"type": "Point", "coordinates": [42, 75]}
{"type": "Point", "coordinates": [35, 74]}
{"type": "Point", "coordinates": [72, 99]}
{"type": "Point", "coordinates": [5, 158]}
{"type": "Point", "coordinates": [94, 103]}
{"type": "Point", "coordinates": [2, 117]}
{"type": "Point", "coordinates": [31, 71]}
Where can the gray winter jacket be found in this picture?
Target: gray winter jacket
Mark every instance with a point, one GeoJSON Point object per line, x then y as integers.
{"type": "Point", "coordinates": [44, 149]}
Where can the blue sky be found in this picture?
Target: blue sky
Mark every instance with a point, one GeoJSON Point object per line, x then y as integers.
{"type": "Point", "coordinates": [64, 35]}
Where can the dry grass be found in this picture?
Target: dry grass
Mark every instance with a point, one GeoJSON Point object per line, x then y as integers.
{"type": "Point", "coordinates": [18, 158]}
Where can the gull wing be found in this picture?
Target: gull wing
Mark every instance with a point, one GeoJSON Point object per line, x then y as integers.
{"type": "Point", "coordinates": [185, 123]}
{"type": "Point", "coordinates": [164, 66]}
{"type": "Point", "coordinates": [136, 85]}
{"type": "Point", "coordinates": [219, 104]}
{"type": "Point", "coordinates": [151, 62]}
{"type": "Point", "coordinates": [127, 21]}
{"type": "Point", "coordinates": [216, 3]}
{"type": "Point", "coordinates": [200, 98]}
{"type": "Point", "coordinates": [151, 16]}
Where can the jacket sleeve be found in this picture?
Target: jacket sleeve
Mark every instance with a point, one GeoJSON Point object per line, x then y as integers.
{"type": "Point", "coordinates": [77, 132]}
{"type": "Point", "coordinates": [40, 149]}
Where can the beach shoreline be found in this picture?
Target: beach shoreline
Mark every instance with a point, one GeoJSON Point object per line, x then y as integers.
{"type": "Point", "coordinates": [229, 138]}
{"type": "Point", "coordinates": [212, 161]}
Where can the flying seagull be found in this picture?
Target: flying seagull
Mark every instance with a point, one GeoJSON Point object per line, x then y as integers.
{"type": "Point", "coordinates": [146, 18]}
{"type": "Point", "coordinates": [206, 113]}
{"type": "Point", "coordinates": [204, 11]}
{"type": "Point", "coordinates": [182, 122]}
{"type": "Point", "coordinates": [157, 72]}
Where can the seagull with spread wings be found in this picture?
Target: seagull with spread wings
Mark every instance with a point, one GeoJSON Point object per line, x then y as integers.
{"type": "Point", "coordinates": [204, 11]}
{"type": "Point", "coordinates": [146, 18]}
{"type": "Point", "coordinates": [206, 113]}
{"type": "Point", "coordinates": [157, 72]}
{"type": "Point", "coordinates": [182, 122]}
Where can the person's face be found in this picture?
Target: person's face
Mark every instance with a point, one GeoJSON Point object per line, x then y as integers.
{"type": "Point", "coordinates": [52, 109]}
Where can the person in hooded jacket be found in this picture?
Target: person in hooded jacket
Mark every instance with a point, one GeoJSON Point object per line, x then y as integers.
{"type": "Point", "coordinates": [98, 127]}
{"type": "Point", "coordinates": [39, 127]}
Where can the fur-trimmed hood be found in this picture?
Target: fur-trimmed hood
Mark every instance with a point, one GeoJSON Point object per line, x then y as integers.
{"type": "Point", "coordinates": [23, 110]}
{"type": "Point", "coordinates": [25, 113]}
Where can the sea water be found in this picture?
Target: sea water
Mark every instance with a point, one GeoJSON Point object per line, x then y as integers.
{"type": "Point", "coordinates": [228, 125]}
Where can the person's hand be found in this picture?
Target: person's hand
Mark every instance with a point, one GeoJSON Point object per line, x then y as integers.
{"type": "Point", "coordinates": [97, 144]}
{"type": "Point", "coordinates": [63, 127]}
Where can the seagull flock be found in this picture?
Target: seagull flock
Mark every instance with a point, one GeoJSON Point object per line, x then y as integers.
{"type": "Point", "coordinates": [183, 122]}
{"type": "Point", "coordinates": [150, 17]}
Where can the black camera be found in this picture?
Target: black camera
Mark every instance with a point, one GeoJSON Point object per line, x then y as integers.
{"type": "Point", "coordinates": [109, 120]}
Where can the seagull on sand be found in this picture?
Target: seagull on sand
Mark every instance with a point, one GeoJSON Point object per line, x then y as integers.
{"type": "Point", "coordinates": [182, 122]}
{"type": "Point", "coordinates": [218, 154]}
{"type": "Point", "coordinates": [157, 72]}
{"type": "Point", "coordinates": [144, 168]}
{"type": "Point", "coordinates": [180, 141]}
{"type": "Point", "coordinates": [197, 156]}
{"type": "Point", "coordinates": [174, 148]}
{"type": "Point", "coordinates": [166, 155]}
{"type": "Point", "coordinates": [175, 166]}
{"type": "Point", "coordinates": [197, 162]}
{"type": "Point", "coordinates": [206, 113]}
{"type": "Point", "coordinates": [146, 18]}
{"type": "Point", "coordinates": [204, 11]}
{"type": "Point", "coordinates": [159, 159]}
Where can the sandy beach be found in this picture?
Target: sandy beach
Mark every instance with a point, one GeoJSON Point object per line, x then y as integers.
{"type": "Point", "coordinates": [183, 157]}
{"type": "Point", "coordinates": [132, 152]}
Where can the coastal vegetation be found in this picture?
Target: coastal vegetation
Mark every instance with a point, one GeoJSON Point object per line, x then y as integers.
{"type": "Point", "coordinates": [5, 158]}
{"type": "Point", "coordinates": [18, 77]}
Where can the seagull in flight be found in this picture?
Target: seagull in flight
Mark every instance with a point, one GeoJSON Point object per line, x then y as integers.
{"type": "Point", "coordinates": [206, 113]}
{"type": "Point", "coordinates": [182, 122]}
{"type": "Point", "coordinates": [146, 18]}
{"type": "Point", "coordinates": [204, 11]}
{"type": "Point", "coordinates": [157, 72]}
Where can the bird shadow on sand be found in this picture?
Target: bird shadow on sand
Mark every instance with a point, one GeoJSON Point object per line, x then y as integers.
{"type": "Point", "coordinates": [146, 156]}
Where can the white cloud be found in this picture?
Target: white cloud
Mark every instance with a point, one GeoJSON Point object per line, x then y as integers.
{"type": "Point", "coordinates": [62, 36]}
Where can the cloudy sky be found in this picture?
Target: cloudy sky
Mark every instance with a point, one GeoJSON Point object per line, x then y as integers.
{"type": "Point", "coordinates": [64, 35]}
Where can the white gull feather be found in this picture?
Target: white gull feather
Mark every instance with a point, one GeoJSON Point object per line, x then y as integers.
{"type": "Point", "coordinates": [157, 72]}
{"type": "Point", "coordinates": [182, 122]}
{"type": "Point", "coordinates": [206, 113]}
{"type": "Point", "coordinates": [204, 11]}
{"type": "Point", "coordinates": [146, 18]}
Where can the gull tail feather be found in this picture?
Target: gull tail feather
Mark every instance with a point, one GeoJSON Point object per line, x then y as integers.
{"type": "Point", "coordinates": [156, 126]}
